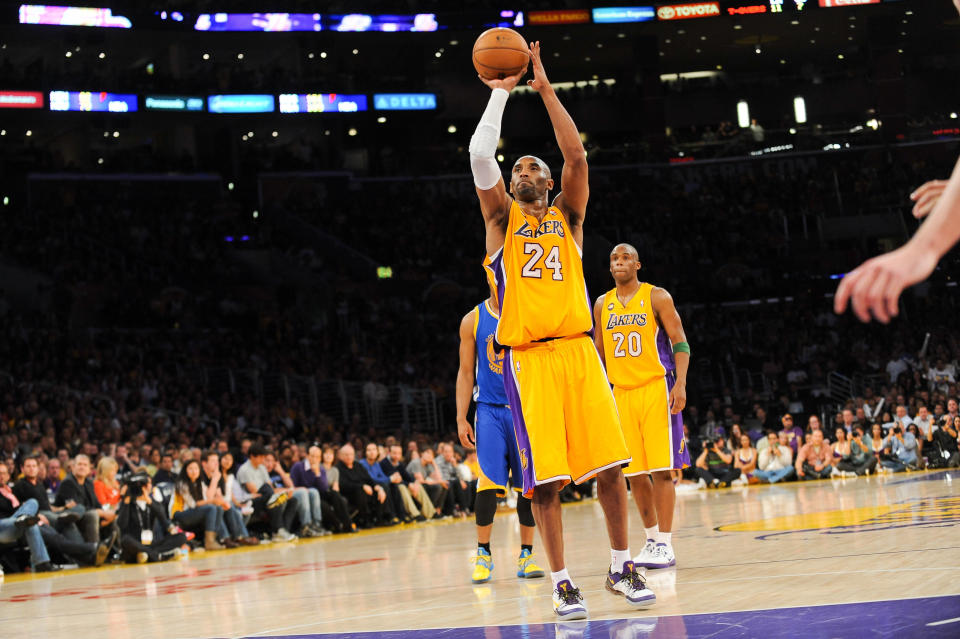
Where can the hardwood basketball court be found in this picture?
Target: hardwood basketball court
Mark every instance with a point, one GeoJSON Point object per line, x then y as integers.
{"type": "Point", "coordinates": [795, 554]}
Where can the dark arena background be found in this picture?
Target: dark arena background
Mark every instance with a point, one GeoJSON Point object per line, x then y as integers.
{"type": "Point", "coordinates": [250, 227]}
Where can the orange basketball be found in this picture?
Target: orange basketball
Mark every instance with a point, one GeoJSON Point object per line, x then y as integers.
{"type": "Point", "coordinates": [500, 52]}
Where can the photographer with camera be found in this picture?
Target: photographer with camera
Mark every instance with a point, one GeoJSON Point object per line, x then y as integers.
{"type": "Point", "coordinates": [146, 533]}
{"type": "Point", "coordinates": [901, 450]}
{"type": "Point", "coordinates": [941, 449]}
{"type": "Point", "coordinates": [715, 464]}
{"type": "Point", "coordinates": [860, 460]}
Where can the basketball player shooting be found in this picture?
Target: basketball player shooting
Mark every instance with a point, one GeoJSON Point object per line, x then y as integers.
{"type": "Point", "coordinates": [640, 337]}
{"type": "Point", "coordinates": [564, 414]}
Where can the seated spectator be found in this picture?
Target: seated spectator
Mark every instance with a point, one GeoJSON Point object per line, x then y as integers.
{"type": "Point", "coordinates": [303, 505]}
{"type": "Point", "coordinates": [459, 495]}
{"type": "Point", "coordinates": [733, 440]}
{"type": "Point", "coordinates": [214, 484]}
{"type": "Point", "coordinates": [106, 486]}
{"type": "Point", "coordinates": [365, 495]}
{"type": "Point", "coordinates": [235, 494]}
{"type": "Point", "coordinates": [309, 473]}
{"type": "Point", "coordinates": [942, 443]}
{"type": "Point", "coordinates": [54, 475]}
{"type": "Point", "coordinates": [30, 487]}
{"type": "Point", "coordinates": [19, 521]}
{"type": "Point", "coordinates": [164, 474]}
{"type": "Point", "coordinates": [848, 421]}
{"type": "Point", "coordinates": [409, 489]}
{"type": "Point", "coordinates": [77, 490]}
{"type": "Point", "coordinates": [192, 511]}
{"type": "Point", "coordinates": [255, 480]}
{"type": "Point", "coordinates": [715, 465]}
{"type": "Point", "coordinates": [900, 448]}
{"type": "Point", "coordinates": [876, 440]}
{"type": "Point", "coordinates": [859, 459]}
{"type": "Point", "coordinates": [425, 471]}
{"type": "Point", "coordinates": [814, 459]}
{"type": "Point", "coordinates": [841, 449]}
{"type": "Point", "coordinates": [371, 462]}
{"type": "Point", "coordinates": [924, 421]}
{"type": "Point", "coordinates": [127, 460]}
{"type": "Point", "coordinates": [328, 460]}
{"type": "Point", "coordinates": [146, 533]}
{"type": "Point", "coordinates": [794, 433]}
{"type": "Point", "coordinates": [745, 459]}
{"type": "Point", "coordinates": [775, 461]}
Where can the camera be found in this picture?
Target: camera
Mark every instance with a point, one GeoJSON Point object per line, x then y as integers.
{"type": "Point", "coordinates": [897, 431]}
{"type": "Point", "coordinates": [136, 482]}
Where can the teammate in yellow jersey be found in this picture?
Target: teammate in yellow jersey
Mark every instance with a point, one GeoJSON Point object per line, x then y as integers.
{"type": "Point", "coordinates": [640, 337]}
{"type": "Point", "coordinates": [564, 414]}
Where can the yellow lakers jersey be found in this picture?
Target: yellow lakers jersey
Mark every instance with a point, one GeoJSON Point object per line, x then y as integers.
{"type": "Point", "coordinates": [539, 278]}
{"type": "Point", "coordinates": [635, 348]}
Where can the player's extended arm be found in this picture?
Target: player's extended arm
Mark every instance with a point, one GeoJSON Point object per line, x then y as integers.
{"type": "Point", "coordinates": [465, 379]}
{"type": "Point", "coordinates": [669, 319]}
{"type": "Point", "coordinates": [597, 329]}
{"type": "Point", "coordinates": [573, 200]}
{"type": "Point", "coordinates": [494, 201]}
{"type": "Point", "coordinates": [875, 286]}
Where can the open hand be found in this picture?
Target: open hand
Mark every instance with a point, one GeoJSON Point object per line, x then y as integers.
{"type": "Point", "coordinates": [875, 286]}
{"type": "Point", "coordinates": [677, 399]}
{"type": "Point", "coordinates": [467, 437]}
{"type": "Point", "coordinates": [539, 81]}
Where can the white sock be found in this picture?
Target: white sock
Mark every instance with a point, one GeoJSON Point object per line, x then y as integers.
{"type": "Point", "coordinates": [618, 558]}
{"type": "Point", "coordinates": [653, 532]}
{"type": "Point", "coordinates": [663, 538]}
{"type": "Point", "coordinates": [559, 576]}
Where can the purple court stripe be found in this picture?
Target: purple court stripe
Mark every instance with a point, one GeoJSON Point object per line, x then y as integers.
{"type": "Point", "coordinates": [929, 617]}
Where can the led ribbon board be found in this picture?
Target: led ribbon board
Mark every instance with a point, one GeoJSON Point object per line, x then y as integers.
{"type": "Point", "coordinates": [92, 101]}
{"type": "Point", "coordinates": [322, 103]}
{"type": "Point", "coordinates": [71, 16]}
{"type": "Point", "coordinates": [255, 103]}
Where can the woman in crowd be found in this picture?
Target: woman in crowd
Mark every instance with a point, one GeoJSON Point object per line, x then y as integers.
{"type": "Point", "coordinates": [343, 510]}
{"type": "Point", "coordinates": [106, 486]}
{"type": "Point", "coordinates": [912, 428]}
{"type": "Point", "coordinates": [745, 458]}
{"type": "Point", "coordinates": [841, 450]}
{"type": "Point", "coordinates": [876, 440]}
{"type": "Point", "coordinates": [146, 533]}
{"type": "Point", "coordinates": [733, 442]}
{"type": "Point", "coordinates": [234, 493]}
{"type": "Point", "coordinates": [191, 511]}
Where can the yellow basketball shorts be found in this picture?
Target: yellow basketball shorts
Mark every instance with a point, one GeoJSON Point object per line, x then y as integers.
{"type": "Point", "coordinates": [654, 436]}
{"type": "Point", "coordinates": [564, 414]}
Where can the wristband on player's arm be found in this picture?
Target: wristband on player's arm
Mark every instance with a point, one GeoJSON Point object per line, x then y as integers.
{"type": "Point", "coordinates": [681, 347]}
{"type": "Point", "coordinates": [483, 143]}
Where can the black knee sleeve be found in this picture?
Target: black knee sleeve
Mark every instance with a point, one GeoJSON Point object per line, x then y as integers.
{"type": "Point", "coordinates": [525, 511]}
{"type": "Point", "coordinates": [485, 507]}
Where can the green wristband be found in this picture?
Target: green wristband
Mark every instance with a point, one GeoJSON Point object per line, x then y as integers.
{"type": "Point", "coordinates": [681, 347]}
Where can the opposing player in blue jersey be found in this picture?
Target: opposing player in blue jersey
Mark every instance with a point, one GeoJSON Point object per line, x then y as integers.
{"type": "Point", "coordinates": [481, 377]}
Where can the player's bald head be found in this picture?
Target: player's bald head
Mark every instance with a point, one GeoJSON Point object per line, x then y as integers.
{"type": "Point", "coordinates": [533, 158]}
{"type": "Point", "coordinates": [626, 248]}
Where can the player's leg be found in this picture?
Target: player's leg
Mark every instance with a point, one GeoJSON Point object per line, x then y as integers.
{"type": "Point", "coordinates": [526, 566]}
{"type": "Point", "coordinates": [491, 456]}
{"type": "Point", "coordinates": [630, 407]}
{"type": "Point", "coordinates": [567, 600]}
{"type": "Point", "coordinates": [484, 510]}
{"type": "Point", "coordinates": [595, 446]}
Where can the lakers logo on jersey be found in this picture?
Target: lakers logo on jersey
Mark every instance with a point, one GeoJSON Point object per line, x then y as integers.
{"type": "Point", "coordinates": [636, 350]}
{"type": "Point", "coordinates": [547, 227]}
{"type": "Point", "coordinates": [523, 458]}
{"type": "Point", "coordinates": [494, 360]}
{"type": "Point", "coordinates": [627, 319]}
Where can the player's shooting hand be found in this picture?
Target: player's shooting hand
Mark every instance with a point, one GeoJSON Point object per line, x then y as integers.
{"type": "Point", "coordinates": [507, 84]}
{"type": "Point", "coordinates": [875, 286]}
{"type": "Point", "coordinates": [539, 81]}
{"type": "Point", "coordinates": [677, 399]}
{"type": "Point", "coordinates": [467, 437]}
{"type": "Point", "coordinates": [926, 197]}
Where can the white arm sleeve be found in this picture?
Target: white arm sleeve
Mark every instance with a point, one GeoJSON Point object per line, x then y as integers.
{"type": "Point", "coordinates": [483, 144]}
